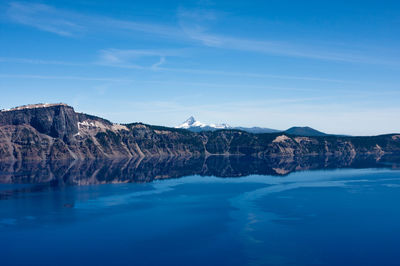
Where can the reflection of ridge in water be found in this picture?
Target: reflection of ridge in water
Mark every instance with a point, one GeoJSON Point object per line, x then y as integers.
{"type": "Point", "coordinates": [141, 170]}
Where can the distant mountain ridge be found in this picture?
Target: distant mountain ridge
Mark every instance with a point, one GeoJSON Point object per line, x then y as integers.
{"type": "Point", "coordinates": [196, 126]}
{"type": "Point", "coordinates": [305, 131]}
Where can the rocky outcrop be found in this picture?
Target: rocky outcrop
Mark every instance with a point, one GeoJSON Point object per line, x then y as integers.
{"type": "Point", "coordinates": [57, 132]}
{"type": "Point", "coordinates": [55, 120]}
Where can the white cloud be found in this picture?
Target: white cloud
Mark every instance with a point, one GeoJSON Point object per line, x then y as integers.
{"type": "Point", "coordinates": [193, 27]}
{"type": "Point", "coordinates": [39, 61]}
{"type": "Point", "coordinates": [68, 23]}
{"type": "Point", "coordinates": [49, 77]}
{"type": "Point", "coordinates": [45, 18]}
{"type": "Point", "coordinates": [159, 63]}
{"type": "Point", "coordinates": [126, 59]}
{"type": "Point", "coordinates": [195, 23]}
{"type": "Point", "coordinates": [130, 58]}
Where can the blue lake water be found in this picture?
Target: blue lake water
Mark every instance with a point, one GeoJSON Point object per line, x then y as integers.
{"type": "Point", "coordinates": [319, 217]}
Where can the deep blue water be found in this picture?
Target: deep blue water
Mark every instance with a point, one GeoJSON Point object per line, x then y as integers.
{"type": "Point", "coordinates": [320, 217]}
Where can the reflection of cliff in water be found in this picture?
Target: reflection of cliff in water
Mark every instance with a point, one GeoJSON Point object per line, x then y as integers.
{"type": "Point", "coordinates": [136, 170]}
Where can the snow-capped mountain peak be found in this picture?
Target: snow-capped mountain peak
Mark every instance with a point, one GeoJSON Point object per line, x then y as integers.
{"type": "Point", "coordinates": [196, 126]}
{"type": "Point", "coordinates": [191, 122]}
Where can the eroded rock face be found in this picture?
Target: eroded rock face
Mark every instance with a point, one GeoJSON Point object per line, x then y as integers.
{"type": "Point", "coordinates": [57, 121]}
{"type": "Point", "coordinates": [57, 132]}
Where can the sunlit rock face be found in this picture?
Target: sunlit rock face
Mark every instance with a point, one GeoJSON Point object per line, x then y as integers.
{"type": "Point", "coordinates": [57, 132]}
{"type": "Point", "coordinates": [54, 120]}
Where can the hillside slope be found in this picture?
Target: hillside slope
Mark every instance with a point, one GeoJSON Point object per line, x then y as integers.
{"type": "Point", "coordinates": [57, 132]}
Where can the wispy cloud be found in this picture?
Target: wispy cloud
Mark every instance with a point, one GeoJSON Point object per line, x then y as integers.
{"type": "Point", "coordinates": [193, 27]}
{"type": "Point", "coordinates": [22, 76]}
{"type": "Point", "coordinates": [253, 75]}
{"type": "Point", "coordinates": [176, 83]}
{"type": "Point", "coordinates": [69, 23]}
{"type": "Point", "coordinates": [45, 18]}
{"type": "Point", "coordinates": [128, 59]}
{"type": "Point", "coordinates": [344, 92]}
{"type": "Point", "coordinates": [194, 24]}
{"type": "Point", "coordinates": [134, 58]}
{"type": "Point", "coordinates": [159, 63]}
{"type": "Point", "coordinates": [270, 47]}
{"type": "Point", "coordinates": [40, 61]}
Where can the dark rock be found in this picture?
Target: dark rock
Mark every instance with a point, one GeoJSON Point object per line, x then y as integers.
{"type": "Point", "coordinates": [57, 121]}
{"type": "Point", "coordinates": [56, 132]}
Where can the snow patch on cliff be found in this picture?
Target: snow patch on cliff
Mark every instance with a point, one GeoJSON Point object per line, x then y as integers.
{"type": "Point", "coordinates": [34, 106]}
{"type": "Point", "coordinates": [117, 127]}
{"type": "Point", "coordinates": [281, 138]}
{"type": "Point", "coordinates": [97, 125]}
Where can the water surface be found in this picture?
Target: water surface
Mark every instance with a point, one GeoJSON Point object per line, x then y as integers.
{"type": "Point", "coordinates": [328, 216]}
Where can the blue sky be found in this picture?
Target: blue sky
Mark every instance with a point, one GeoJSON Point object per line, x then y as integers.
{"type": "Point", "coordinates": [330, 65]}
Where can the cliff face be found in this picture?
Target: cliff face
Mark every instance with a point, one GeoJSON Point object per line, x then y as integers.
{"type": "Point", "coordinates": [57, 121]}
{"type": "Point", "coordinates": [56, 132]}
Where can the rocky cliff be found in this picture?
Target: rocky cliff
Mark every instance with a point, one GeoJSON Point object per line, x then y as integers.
{"type": "Point", "coordinates": [57, 132]}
